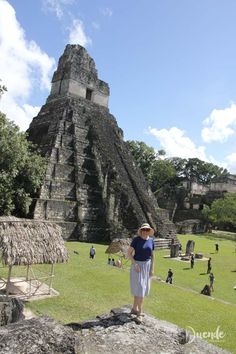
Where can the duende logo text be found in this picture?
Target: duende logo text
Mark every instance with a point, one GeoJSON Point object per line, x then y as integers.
{"type": "Point", "coordinates": [216, 336]}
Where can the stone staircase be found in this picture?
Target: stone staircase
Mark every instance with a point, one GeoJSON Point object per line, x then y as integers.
{"type": "Point", "coordinates": [162, 243]}
{"type": "Point", "coordinates": [68, 195]}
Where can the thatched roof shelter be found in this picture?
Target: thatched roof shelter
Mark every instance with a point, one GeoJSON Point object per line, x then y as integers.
{"type": "Point", "coordinates": [120, 246]}
{"type": "Point", "coordinates": [27, 242]}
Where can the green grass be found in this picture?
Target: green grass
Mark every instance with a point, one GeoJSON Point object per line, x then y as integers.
{"type": "Point", "coordinates": [216, 234]}
{"type": "Point", "coordinates": [91, 287]}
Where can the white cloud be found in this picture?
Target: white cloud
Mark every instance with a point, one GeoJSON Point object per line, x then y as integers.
{"type": "Point", "coordinates": [21, 114]}
{"type": "Point", "coordinates": [107, 12]}
{"type": "Point", "coordinates": [23, 66]}
{"type": "Point", "coordinates": [56, 6]}
{"type": "Point", "coordinates": [231, 162]}
{"type": "Point", "coordinates": [176, 144]}
{"type": "Point", "coordinates": [77, 34]}
{"type": "Point", "coordinates": [221, 124]}
{"type": "Point", "coordinates": [76, 30]}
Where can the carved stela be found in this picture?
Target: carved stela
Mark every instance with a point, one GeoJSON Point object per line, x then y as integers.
{"type": "Point", "coordinates": [92, 187]}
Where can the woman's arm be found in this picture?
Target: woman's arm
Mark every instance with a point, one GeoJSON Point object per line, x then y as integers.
{"type": "Point", "coordinates": [152, 264]}
{"type": "Point", "coordinates": [131, 252]}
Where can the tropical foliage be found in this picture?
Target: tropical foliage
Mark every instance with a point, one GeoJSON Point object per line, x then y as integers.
{"type": "Point", "coordinates": [155, 168]}
{"type": "Point", "coordinates": [193, 169]}
{"type": "Point", "coordinates": [21, 169]}
{"type": "Point", "coordinates": [223, 211]}
{"type": "Point", "coordinates": [160, 171]}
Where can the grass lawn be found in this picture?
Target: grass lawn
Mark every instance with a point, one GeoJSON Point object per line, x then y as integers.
{"type": "Point", "coordinates": [91, 287]}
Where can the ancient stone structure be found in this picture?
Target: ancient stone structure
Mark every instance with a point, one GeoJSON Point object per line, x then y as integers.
{"type": "Point", "coordinates": [198, 255]}
{"type": "Point", "coordinates": [190, 247]}
{"type": "Point", "coordinates": [191, 226]}
{"type": "Point", "coordinates": [117, 332]}
{"type": "Point", "coordinates": [187, 215]}
{"type": "Point", "coordinates": [11, 310]}
{"type": "Point", "coordinates": [92, 187]}
{"type": "Point", "coordinates": [37, 336]}
{"type": "Point", "coordinates": [206, 290]}
{"type": "Point", "coordinates": [174, 250]}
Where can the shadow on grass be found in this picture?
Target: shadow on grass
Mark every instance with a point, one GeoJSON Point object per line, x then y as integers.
{"type": "Point", "coordinates": [202, 273]}
{"type": "Point", "coordinates": [186, 268]}
{"type": "Point", "coordinates": [233, 271]}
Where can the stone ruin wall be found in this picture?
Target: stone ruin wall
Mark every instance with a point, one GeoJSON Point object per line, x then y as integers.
{"type": "Point", "coordinates": [76, 74]}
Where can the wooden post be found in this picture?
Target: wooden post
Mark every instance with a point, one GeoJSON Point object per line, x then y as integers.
{"type": "Point", "coordinates": [27, 279]}
{"type": "Point", "coordinates": [8, 280]}
{"type": "Point", "coordinates": [50, 283]}
{"type": "Point", "coordinates": [27, 272]}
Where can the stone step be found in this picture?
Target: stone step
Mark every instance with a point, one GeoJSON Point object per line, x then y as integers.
{"type": "Point", "coordinates": [69, 230]}
{"type": "Point", "coordinates": [62, 155]}
{"type": "Point", "coordinates": [89, 213]}
{"type": "Point", "coordinates": [65, 141]}
{"type": "Point", "coordinates": [162, 243]}
{"type": "Point", "coordinates": [58, 190]}
{"type": "Point", "coordinates": [64, 172]}
{"type": "Point", "coordinates": [56, 210]}
{"type": "Point", "coordinates": [67, 156]}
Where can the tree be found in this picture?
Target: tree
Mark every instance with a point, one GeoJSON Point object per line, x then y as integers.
{"type": "Point", "coordinates": [157, 171]}
{"type": "Point", "coordinates": [161, 173]}
{"type": "Point", "coordinates": [2, 89]}
{"type": "Point", "coordinates": [197, 170]}
{"type": "Point", "coordinates": [143, 155]}
{"type": "Point", "coordinates": [21, 170]}
{"type": "Point", "coordinates": [222, 211]}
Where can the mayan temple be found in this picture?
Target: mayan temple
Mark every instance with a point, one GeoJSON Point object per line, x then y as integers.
{"type": "Point", "coordinates": [92, 187]}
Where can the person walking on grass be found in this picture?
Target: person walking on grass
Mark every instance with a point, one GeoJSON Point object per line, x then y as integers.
{"type": "Point", "coordinates": [169, 278]}
{"type": "Point", "coordinates": [92, 252]}
{"type": "Point", "coordinates": [209, 266]}
{"type": "Point", "coordinates": [192, 260]}
{"type": "Point", "coordinates": [211, 278]}
{"type": "Point", "coordinates": [141, 254]}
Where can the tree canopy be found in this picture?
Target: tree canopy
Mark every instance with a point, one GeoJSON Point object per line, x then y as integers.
{"type": "Point", "coordinates": [222, 211]}
{"type": "Point", "coordinates": [160, 171]}
{"type": "Point", "coordinates": [197, 170]}
{"type": "Point", "coordinates": [144, 155]}
{"type": "Point", "coordinates": [2, 89]}
{"type": "Point", "coordinates": [157, 170]}
{"type": "Point", "coordinates": [21, 169]}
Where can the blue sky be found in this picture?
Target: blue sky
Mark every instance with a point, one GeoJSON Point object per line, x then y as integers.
{"type": "Point", "coordinates": [170, 66]}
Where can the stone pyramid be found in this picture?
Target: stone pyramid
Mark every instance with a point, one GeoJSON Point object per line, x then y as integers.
{"type": "Point", "coordinates": [92, 187]}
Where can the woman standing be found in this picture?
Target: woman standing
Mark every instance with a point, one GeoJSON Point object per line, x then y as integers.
{"type": "Point", "coordinates": [142, 257]}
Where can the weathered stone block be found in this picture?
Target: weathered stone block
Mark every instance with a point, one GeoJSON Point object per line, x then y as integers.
{"type": "Point", "coordinates": [190, 247]}
{"type": "Point", "coordinates": [174, 251]}
{"type": "Point", "coordinates": [11, 310]}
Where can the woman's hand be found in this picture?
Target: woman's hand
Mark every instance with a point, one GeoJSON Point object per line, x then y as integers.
{"type": "Point", "coordinates": [137, 268]}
